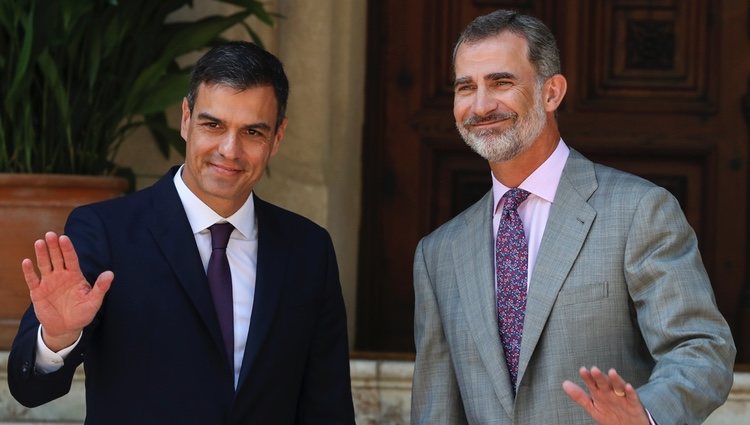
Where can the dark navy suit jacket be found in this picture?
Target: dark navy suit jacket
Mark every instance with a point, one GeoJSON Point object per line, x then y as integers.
{"type": "Point", "coordinates": [154, 353]}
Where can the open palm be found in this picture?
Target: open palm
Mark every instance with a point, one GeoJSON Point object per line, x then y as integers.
{"type": "Point", "coordinates": [64, 302]}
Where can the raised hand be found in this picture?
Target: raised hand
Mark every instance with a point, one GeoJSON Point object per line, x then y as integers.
{"type": "Point", "coordinates": [610, 399]}
{"type": "Point", "coordinates": [64, 302]}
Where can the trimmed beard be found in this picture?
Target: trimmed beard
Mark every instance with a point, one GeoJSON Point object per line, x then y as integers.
{"type": "Point", "coordinates": [496, 145]}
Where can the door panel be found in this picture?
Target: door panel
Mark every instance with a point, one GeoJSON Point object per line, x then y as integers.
{"type": "Point", "coordinates": [655, 88]}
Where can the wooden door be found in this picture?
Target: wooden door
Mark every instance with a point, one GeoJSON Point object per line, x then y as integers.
{"type": "Point", "coordinates": [659, 88]}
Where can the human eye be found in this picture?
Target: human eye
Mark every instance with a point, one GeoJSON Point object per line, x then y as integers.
{"type": "Point", "coordinates": [210, 125]}
{"type": "Point", "coordinates": [254, 132]}
{"type": "Point", "coordinates": [463, 88]}
{"type": "Point", "coordinates": [256, 135]}
{"type": "Point", "coordinates": [502, 83]}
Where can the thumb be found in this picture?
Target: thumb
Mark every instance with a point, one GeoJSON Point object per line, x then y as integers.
{"type": "Point", "coordinates": [102, 284]}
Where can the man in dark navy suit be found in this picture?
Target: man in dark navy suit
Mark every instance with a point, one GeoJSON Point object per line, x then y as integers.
{"type": "Point", "coordinates": [128, 290]}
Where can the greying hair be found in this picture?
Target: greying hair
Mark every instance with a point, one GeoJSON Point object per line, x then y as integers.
{"type": "Point", "coordinates": [543, 53]}
{"type": "Point", "coordinates": [241, 65]}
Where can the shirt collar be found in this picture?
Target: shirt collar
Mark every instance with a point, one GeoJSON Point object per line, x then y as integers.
{"type": "Point", "coordinates": [201, 216]}
{"type": "Point", "coordinates": [543, 181]}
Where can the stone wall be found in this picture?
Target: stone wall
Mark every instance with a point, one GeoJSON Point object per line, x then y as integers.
{"type": "Point", "coordinates": [381, 390]}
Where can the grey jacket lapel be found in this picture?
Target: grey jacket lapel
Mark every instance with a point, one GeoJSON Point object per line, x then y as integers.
{"type": "Point", "coordinates": [472, 255]}
{"type": "Point", "coordinates": [567, 226]}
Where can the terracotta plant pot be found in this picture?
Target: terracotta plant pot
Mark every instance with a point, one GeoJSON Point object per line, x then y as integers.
{"type": "Point", "coordinates": [30, 205]}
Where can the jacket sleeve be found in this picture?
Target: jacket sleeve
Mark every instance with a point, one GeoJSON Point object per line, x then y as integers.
{"type": "Point", "coordinates": [686, 335]}
{"type": "Point", "coordinates": [29, 387]}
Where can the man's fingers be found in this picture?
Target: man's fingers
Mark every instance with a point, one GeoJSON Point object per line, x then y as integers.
{"type": "Point", "coordinates": [577, 394]}
{"type": "Point", "coordinates": [618, 384]}
{"type": "Point", "coordinates": [601, 380]}
{"type": "Point", "coordinates": [29, 274]}
{"type": "Point", "coordinates": [631, 394]}
{"type": "Point", "coordinates": [588, 379]}
{"type": "Point", "coordinates": [102, 284]}
{"type": "Point", "coordinates": [42, 257]}
{"type": "Point", "coordinates": [55, 255]}
{"type": "Point", "coordinates": [69, 256]}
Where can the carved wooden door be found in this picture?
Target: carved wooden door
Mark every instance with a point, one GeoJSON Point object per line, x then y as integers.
{"type": "Point", "coordinates": [655, 88]}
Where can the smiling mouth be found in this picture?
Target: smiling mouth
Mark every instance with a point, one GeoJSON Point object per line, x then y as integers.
{"type": "Point", "coordinates": [490, 123]}
{"type": "Point", "coordinates": [224, 169]}
{"type": "Point", "coordinates": [489, 120]}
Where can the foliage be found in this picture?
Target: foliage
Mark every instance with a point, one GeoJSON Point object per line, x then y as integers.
{"type": "Point", "coordinates": [77, 76]}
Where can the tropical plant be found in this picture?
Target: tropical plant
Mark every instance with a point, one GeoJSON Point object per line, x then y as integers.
{"type": "Point", "coordinates": [78, 76]}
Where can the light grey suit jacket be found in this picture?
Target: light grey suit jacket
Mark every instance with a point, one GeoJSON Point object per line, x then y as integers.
{"type": "Point", "coordinates": [619, 283]}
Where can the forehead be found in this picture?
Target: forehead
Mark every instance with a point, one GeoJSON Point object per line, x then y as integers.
{"type": "Point", "coordinates": [250, 104]}
{"type": "Point", "coordinates": [505, 52]}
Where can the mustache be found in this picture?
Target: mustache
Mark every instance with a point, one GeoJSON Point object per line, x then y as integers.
{"type": "Point", "coordinates": [497, 116]}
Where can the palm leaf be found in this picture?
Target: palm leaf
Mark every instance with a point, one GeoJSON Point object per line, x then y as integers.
{"type": "Point", "coordinates": [78, 76]}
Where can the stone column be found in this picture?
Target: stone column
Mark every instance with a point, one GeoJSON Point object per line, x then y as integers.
{"type": "Point", "coordinates": [317, 171]}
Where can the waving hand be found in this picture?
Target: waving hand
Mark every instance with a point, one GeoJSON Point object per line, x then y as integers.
{"type": "Point", "coordinates": [64, 302]}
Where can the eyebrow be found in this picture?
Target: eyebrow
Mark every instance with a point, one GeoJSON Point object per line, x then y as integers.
{"type": "Point", "coordinates": [500, 76]}
{"type": "Point", "coordinates": [462, 80]}
{"type": "Point", "coordinates": [494, 76]}
{"type": "Point", "coordinates": [258, 126]}
{"type": "Point", "coordinates": [254, 126]}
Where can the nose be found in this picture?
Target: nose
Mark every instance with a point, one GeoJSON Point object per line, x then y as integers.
{"type": "Point", "coordinates": [229, 145]}
{"type": "Point", "coordinates": [484, 102]}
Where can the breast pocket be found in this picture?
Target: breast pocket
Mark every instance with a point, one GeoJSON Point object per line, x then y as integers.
{"type": "Point", "coordinates": [583, 293]}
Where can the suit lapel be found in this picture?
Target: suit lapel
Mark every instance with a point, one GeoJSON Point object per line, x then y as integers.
{"type": "Point", "coordinates": [473, 258]}
{"type": "Point", "coordinates": [568, 225]}
{"type": "Point", "coordinates": [270, 278]}
{"type": "Point", "coordinates": [172, 234]}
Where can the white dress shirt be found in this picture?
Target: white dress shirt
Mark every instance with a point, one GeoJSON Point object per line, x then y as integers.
{"type": "Point", "coordinates": [242, 252]}
{"type": "Point", "coordinates": [534, 211]}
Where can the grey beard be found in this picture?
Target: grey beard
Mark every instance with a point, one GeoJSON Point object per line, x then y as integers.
{"type": "Point", "coordinates": [492, 144]}
{"type": "Point", "coordinates": [497, 145]}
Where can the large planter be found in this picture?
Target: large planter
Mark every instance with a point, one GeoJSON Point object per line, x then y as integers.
{"type": "Point", "coordinates": [30, 205]}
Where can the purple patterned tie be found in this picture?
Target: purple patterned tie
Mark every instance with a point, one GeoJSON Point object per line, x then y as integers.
{"type": "Point", "coordinates": [511, 266]}
{"type": "Point", "coordinates": [220, 284]}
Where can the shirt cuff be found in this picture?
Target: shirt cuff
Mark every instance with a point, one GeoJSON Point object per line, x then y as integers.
{"type": "Point", "coordinates": [48, 361]}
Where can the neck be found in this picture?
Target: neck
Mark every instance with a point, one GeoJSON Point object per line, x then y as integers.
{"type": "Point", "coordinates": [513, 172]}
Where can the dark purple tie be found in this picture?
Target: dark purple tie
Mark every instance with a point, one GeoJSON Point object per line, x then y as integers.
{"type": "Point", "coordinates": [220, 283]}
{"type": "Point", "coordinates": [511, 267]}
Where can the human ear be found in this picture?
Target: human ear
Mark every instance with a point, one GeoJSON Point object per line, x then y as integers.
{"type": "Point", "coordinates": [185, 121]}
{"type": "Point", "coordinates": [554, 91]}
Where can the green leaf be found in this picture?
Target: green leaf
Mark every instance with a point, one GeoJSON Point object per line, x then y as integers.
{"type": "Point", "coordinates": [184, 40]}
{"type": "Point", "coordinates": [95, 57]}
{"type": "Point", "coordinates": [253, 35]}
{"type": "Point", "coordinates": [255, 7]}
{"type": "Point", "coordinates": [164, 135]}
{"type": "Point", "coordinates": [52, 76]}
{"type": "Point", "coordinates": [93, 71]}
{"type": "Point", "coordinates": [24, 58]}
{"type": "Point", "coordinates": [168, 91]}
{"type": "Point", "coordinates": [199, 34]}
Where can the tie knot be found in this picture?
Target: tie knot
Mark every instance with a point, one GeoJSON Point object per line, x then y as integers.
{"type": "Point", "coordinates": [514, 198]}
{"type": "Point", "coordinates": [220, 235]}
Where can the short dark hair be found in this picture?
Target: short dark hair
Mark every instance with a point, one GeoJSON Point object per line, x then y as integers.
{"type": "Point", "coordinates": [240, 65]}
{"type": "Point", "coordinates": [543, 53]}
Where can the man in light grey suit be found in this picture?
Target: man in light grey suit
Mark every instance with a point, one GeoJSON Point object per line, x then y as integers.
{"type": "Point", "coordinates": [606, 270]}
